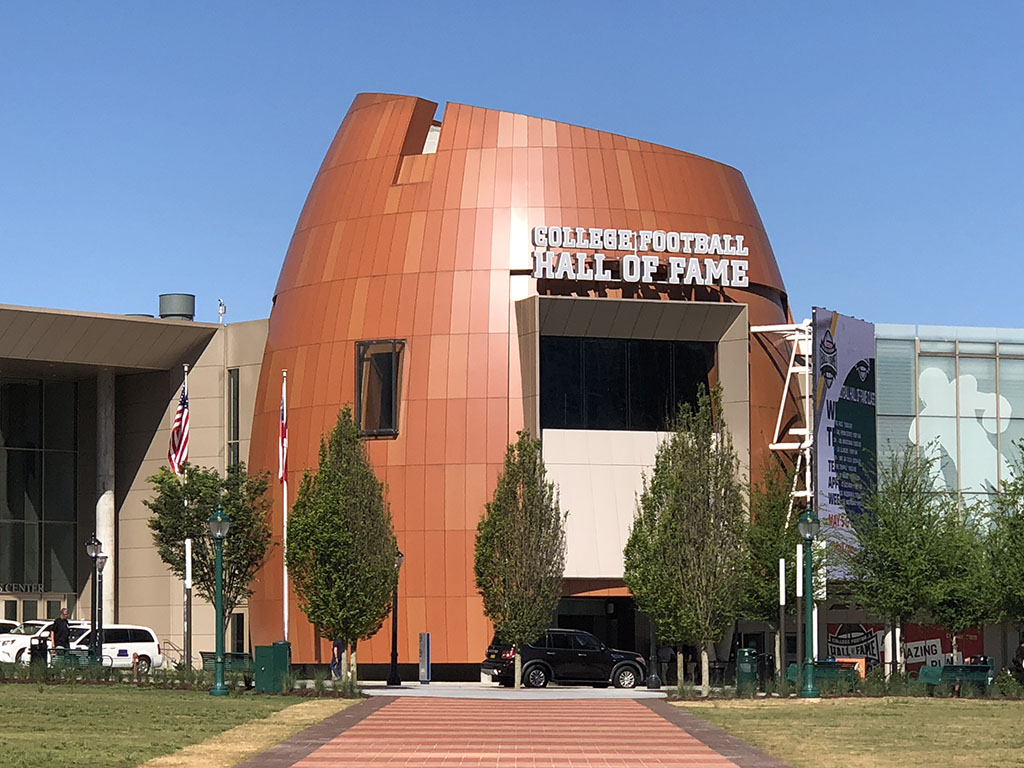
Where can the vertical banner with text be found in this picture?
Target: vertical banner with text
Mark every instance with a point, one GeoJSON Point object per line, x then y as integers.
{"type": "Point", "coordinates": [844, 427]}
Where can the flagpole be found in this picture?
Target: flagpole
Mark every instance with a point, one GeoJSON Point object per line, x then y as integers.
{"type": "Point", "coordinates": [187, 584]}
{"type": "Point", "coordinates": [283, 470]}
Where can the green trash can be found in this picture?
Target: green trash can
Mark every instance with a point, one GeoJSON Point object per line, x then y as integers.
{"type": "Point", "coordinates": [746, 669]}
{"type": "Point", "coordinates": [271, 664]}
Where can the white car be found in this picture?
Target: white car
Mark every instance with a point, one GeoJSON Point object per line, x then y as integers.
{"type": "Point", "coordinates": [122, 643]}
{"type": "Point", "coordinates": [15, 644]}
{"type": "Point", "coordinates": [6, 626]}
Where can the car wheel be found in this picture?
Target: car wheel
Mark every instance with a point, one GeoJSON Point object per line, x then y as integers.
{"type": "Point", "coordinates": [20, 657]}
{"type": "Point", "coordinates": [536, 677]}
{"type": "Point", "coordinates": [144, 665]}
{"type": "Point", "coordinates": [625, 678]}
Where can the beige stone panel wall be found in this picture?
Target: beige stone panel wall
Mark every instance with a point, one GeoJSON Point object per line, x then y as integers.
{"type": "Point", "coordinates": [598, 474]}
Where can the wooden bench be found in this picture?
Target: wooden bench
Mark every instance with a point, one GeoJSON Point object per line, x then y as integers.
{"type": "Point", "coordinates": [240, 663]}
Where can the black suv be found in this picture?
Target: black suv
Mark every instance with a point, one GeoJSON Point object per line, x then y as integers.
{"type": "Point", "coordinates": [566, 656]}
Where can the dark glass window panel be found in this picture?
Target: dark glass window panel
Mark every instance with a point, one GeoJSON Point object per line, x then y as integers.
{"type": "Point", "coordinates": [604, 381]}
{"type": "Point", "coordinates": [238, 633]}
{"type": "Point", "coordinates": [233, 454]}
{"type": "Point", "coordinates": [142, 635]}
{"type": "Point", "coordinates": [59, 485]}
{"type": "Point", "coordinates": [651, 402]}
{"type": "Point", "coordinates": [29, 610]}
{"type": "Point", "coordinates": [693, 364]}
{"type": "Point", "coordinates": [232, 404]}
{"type": "Point", "coordinates": [53, 609]}
{"type": "Point", "coordinates": [561, 376]}
{"type": "Point", "coordinates": [59, 557]}
{"type": "Point", "coordinates": [11, 610]}
{"type": "Point", "coordinates": [587, 642]}
{"type": "Point", "coordinates": [19, 553]}
{"type": "Point", "coordinates": [22, 483]}
{"type": "Point", "coordinates": [119, 636]}
{"type": "Point", "coordinates": [560, 641]}
{"type": "Point", "coordinates": [378, 372]}
{"type": "Point", "coordinates": [21, 413]}
{"type": "Point", "coordinates": [59, 420]}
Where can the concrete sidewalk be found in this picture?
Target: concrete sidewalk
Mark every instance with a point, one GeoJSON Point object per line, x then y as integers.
{"type": "Point", "coordinates": [490, 733]}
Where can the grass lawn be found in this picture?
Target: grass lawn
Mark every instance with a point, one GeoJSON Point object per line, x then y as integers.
{"type": "Point", "coordinates": [876, 733]}
{"type": "Point", "coordinates": [63, 725]}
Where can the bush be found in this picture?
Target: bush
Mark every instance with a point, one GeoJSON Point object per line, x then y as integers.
{"type": "Point", "coordinates": [874, 682]}
{"type": "Point", "coordinates": [1006, 686]}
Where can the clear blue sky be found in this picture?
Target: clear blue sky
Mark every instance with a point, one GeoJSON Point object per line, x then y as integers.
{"type": "Point", "coordinates": [149, 148]}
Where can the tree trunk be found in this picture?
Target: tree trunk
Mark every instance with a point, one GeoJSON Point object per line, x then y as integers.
{"type": "Point", "coordinates": [353, 670]}
{"type": "Point", "coordinates": [680, 667]}
{"type": "Point", "coordinates": [779, 648]}
{"type": "Point", "coordinates": [705, 672]}
{"type": "Point", "coordinates": [953, 635]}
{"type": "Point", "coordinates": [519, 670]}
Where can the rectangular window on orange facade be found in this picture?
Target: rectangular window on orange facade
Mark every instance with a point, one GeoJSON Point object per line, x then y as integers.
{"type": "Point", "coordinates": [378, 380]}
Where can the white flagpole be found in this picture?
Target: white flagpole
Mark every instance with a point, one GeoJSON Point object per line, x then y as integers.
{"type": "Point", "coordinates": [187, 586]}
{"type": "Point", "coordinates": [282, 449]}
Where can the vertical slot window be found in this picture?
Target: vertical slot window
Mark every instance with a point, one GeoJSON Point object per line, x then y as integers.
{"type": "Point", "coordinates": [233, 429]}
{"type": "Point", "coordinates": [378, 376]}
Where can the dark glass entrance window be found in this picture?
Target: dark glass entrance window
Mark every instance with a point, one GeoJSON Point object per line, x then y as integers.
{"type": "Point", "coordinates": [626, 384]}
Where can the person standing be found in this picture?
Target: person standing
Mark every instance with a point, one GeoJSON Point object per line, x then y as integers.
{"type": "Point", "coordinates": [60, 632]}
{"type": "Point", "coordinates": [337, 655]}
{"type": "Point", "coordinates": [1018, 663]}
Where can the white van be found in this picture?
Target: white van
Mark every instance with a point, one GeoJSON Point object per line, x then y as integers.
{"type": "Point", "coordinates": [122, 642]}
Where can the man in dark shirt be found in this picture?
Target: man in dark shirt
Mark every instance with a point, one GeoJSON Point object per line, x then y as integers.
{"type": "Point", "coordinates": [60, 632]}
{"type": "Point", "coordinates": [1018, 663]}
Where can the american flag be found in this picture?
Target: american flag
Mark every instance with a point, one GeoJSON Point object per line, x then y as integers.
{"type": "Point", "coordinates": [282, 441]}
{"type": "Point", "coordinates": [177, 454]}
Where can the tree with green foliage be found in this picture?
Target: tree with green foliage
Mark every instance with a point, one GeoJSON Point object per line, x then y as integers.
{"type": "Point", "coordinates": [685, 560]}
{"type": "Point", "coordinates": [962, 594]}
{"type": "Point", "coordinates": [520, 549]}
{"type": "Point", "coordinates": [1005, 545]}
{"type": "Point", "coordinates": [896, 564]}
{"type": "Point", "coordinates": [181, 509]}
{"type": "Point", "coordinates": [772, 535]}
{"type": "Point", "coordinates": [342, 549]}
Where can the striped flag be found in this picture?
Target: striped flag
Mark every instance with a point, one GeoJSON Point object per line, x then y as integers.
{"type": "Point", "coordinates": [282, 441]}
{"type": "Point", "coordinates": [177, 454]}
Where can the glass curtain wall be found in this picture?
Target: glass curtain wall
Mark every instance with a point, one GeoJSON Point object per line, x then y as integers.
{"type": "Point", "coordinates": [38, 477]}
{"type": "Point", "coordinates": [958, 393]}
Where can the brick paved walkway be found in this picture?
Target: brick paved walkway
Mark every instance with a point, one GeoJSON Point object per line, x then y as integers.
{"type": "Point", "coordinates": [432, 733]}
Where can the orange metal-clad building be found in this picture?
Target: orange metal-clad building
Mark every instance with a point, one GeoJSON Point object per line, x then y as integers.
{"type": "Point", "coordinates": [459, 280]}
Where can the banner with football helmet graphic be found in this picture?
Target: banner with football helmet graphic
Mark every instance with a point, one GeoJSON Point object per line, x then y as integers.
{"type": "Point", "coordinates": [844, 427]}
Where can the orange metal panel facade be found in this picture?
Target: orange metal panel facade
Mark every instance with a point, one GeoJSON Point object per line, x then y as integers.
{"type": "Point", "coordinates": [392, 243]}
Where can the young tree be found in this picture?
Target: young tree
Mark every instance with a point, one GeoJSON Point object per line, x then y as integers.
{"type": "Point", "coordinates": [962, 594]}
{"type": "Point", "coordinates": [520, 549]}
{"type": "Point", "coordinates": [898, 555]}
{"type": "Point", "coordinates": [1005, 545]}
{"type": "Point", "coordinates": [772, 535]}
{"type": "Point", "coordinates": [181, 510]}
{"type": "Point", "coordinates": [685, 559]}
{"type": "Point", "coordinates": [341, 543]}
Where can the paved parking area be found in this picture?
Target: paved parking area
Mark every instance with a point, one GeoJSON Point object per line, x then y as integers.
{"type": "Point", "coordinates": [494, 733]}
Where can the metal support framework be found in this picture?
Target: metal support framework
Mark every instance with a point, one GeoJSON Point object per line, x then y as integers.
{"type": "Point", "coordinates": [798, 442]}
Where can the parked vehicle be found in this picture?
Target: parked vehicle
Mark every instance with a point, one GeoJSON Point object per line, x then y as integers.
{"type": "Point", "coordinates": [122, 643]}
{"type": "Point", "coordinates": [566, 656]}
{"type": "Point", "coordinates": [6, 626]}
{"type": "Point", "coordinates": [15, 644]}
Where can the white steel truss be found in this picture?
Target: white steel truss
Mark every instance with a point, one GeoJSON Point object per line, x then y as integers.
{"type": "Point", "coordinates": [798, 441]}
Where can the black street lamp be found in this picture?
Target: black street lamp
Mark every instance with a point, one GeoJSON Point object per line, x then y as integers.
{"type": "Point", "coordinates": [393, 677]}
{"type": "Point", "coordinates": [218, 525]}
{"type": "Point", "coordinates": [101, 561]}
{"type": "Point", "coordinates": [92, 548]}
{"type": "Point", "coordinates": [808, 526]}
{"type": "Point", "coordinates": [653, 681]}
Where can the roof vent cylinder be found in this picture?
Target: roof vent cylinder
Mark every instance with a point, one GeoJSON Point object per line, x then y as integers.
{"type": "Point", "coordinates": [177, 306]}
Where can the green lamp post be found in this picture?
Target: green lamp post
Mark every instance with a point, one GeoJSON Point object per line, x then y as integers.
{"type": "Point", "coordinates": [218, 525]}
{"type": "Point", "coordinates": [808, 526]}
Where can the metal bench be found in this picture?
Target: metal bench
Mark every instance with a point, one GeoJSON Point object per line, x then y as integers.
{"type": "Point", "coordinates": [828, 670]}
{"type": "Point", "coordinates": [70, 658]}
{"type": "Point", "coordinates": [240, 663]}
{"type": "Point", "coordinates": [957, 675]}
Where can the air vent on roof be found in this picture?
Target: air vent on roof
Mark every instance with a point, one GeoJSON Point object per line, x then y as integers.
{"type": "Point", "coordinates": [177, 306]}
